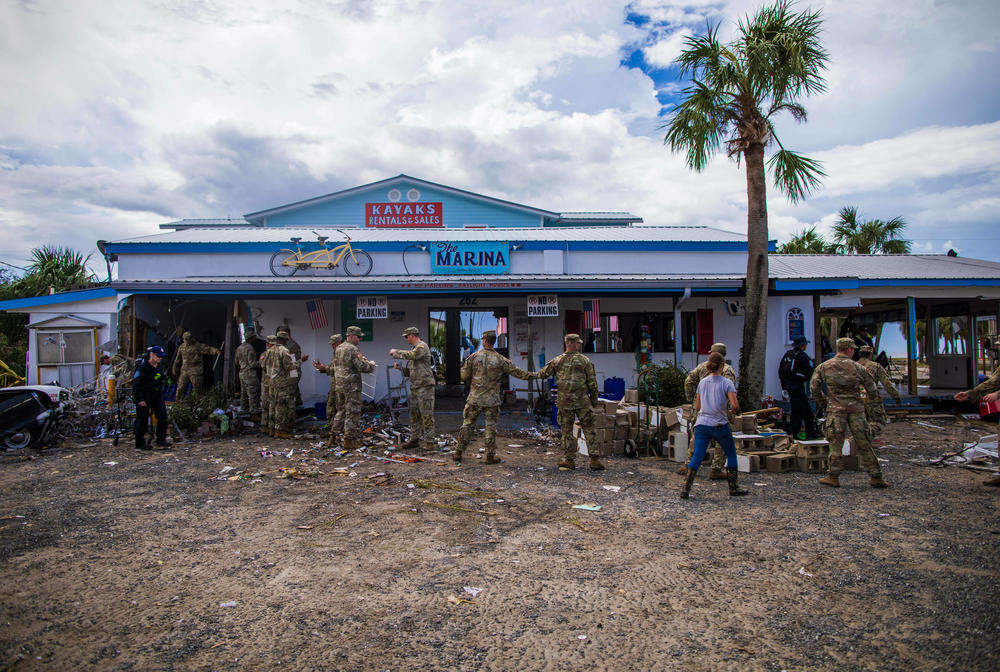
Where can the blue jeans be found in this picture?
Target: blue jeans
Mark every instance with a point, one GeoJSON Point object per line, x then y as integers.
{"type": "Point", "coordinates": [703, 435]}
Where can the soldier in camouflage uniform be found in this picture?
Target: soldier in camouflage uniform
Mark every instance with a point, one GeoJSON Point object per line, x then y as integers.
{"type": "Point", "coordinates": [266, 425]}
{"type": "Point", "coordinates": [844, 379]}
{"type": "Point", "coordinates": [284, 334]}
{"type": "Point", "coordinates": [422, 383]}
{"type": "Point", "coordinates": [484, 371]}
{"type": "Point", "coordinates": [985, 391]}
{"type": "Point", "coordinates": [577, 389]}
{"type": "Point", "coordinates": [249, 367]}
{"type": "Point", "coordinates": [349, 364]}
{"type": "Point", "coordinates": [280, 372]}
{"type": "Point", "coordinates": [331, 396]}
{"type": "Point", "coordinates": [874, 410]}
{"type": "Point", "coordinates": [188, 364]}
{"type": "Point", "coordinates": [696, 375]}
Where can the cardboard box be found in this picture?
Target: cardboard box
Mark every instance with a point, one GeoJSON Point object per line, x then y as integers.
{"type": "Point", "coordinates": [610, 406]}
{"type": "Point", "coordinates": [669, 417]}
{"type": "Point", "coordinates": [779, 463]}
{"type": "Point", "coordinates": [632, 395]}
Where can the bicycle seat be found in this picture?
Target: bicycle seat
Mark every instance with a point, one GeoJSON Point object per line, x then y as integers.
{"type": "Point", "coordinates": [296, 240]}
{"type": "Point", "coordinates": [322, 239]}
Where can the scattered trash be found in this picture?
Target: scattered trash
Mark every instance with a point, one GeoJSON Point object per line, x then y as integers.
{"type": "Point", "coordinates": [803, 572]}
{"type": "Point", "coordinates": [587, 507]}
{"type": "Point", "coordinates": [581, 637]}
{"type": "Point", "coordinates": [613, 488]}
{"type": "Point", "coordinates": [227, 605]}
{"type": "Point", "coordinates": [882, 515]}
{"type": "Point", "coordinates": [928, 425]}
{"type": "Point", "coordinates": [472, 591]}
{"type": "Point", "coordinates": [226, 470]}
{"type": "Point", "coordinates": [110, 464]}
{"type": "Point", "coordinates": [457, 600]}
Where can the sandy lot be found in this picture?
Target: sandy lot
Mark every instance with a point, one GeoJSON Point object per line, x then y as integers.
{"type": "Point", "coordinates": [112, 559]}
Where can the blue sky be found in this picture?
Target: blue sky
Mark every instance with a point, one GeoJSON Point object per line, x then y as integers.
{"type": "Point", "coordinates": [119, 116]}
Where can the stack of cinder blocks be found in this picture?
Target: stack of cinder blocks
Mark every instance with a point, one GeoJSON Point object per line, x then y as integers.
{"type": "Point", "coordinates": [812, 457]}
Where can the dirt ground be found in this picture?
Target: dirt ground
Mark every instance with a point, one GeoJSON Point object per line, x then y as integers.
{"type": "Point", "coordinates": [113, 559]}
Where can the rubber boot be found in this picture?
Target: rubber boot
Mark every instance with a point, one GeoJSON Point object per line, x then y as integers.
{"type": "Point", "coordinates": [457, 456]}
{"type": "Point", "coordinates": [688, 482]}
{"type": "Point", "coordinates": [717, 475]}
{"type": "Point", "coordinates": [734, 488]}
{"type": "Point", "coordinates": [491, 458]}
{"type": "Point", "coordinates": [833, 480]}
{"type": "Point", "coordinates": [993, 482]}
{"type": "Point", "coordinates": [595, 464]}
{"type": "Point", "coordinates": [567, 464]}
{"type": "Point", "coordinates": [876, 481]}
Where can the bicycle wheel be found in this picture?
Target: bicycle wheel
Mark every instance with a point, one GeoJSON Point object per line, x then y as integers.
{"type": "Point", "coordinates": [361, 264]}
{"type": "Point", "coordinates": [278, 265]}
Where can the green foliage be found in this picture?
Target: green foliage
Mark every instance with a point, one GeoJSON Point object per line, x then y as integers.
{"type": "Point", "coordinates": [874, 236]}
{"type": "Point", "coordinates": [669, 383]}
{"type": "Point", "coordinates": [13, 327]}
{"type": "Point", "coordinates": [807, 242]}
{"type": "Point", "coordinates": [737, 89]}
{"type": "Point", "coordinates": [195, 409]}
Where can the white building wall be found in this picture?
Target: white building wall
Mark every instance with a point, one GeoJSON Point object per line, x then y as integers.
{"type": "Point", "coordinates": [103, 310]}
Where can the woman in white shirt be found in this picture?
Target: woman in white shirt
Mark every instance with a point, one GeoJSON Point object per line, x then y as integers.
{"type": "Point", "coordinates": [716, 395]}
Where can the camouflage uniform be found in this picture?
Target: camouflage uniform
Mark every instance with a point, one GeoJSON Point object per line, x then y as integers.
{"type": "Point", "coordinates": [844, 379]}
{"type": "Point", "coordinates": [695, 376]}
{"type": "Point", "coordinates": [278, 369]}
{"type": "Point", "coordinates": [349, 364]}
{"type": "Point", "coordinates": [577, 390]}
{"type": "Point", "coordinates": [265, 389]}
{"type": "Point", "coordinates": [484, 372]}
{"type": "Point", "coordinates": [991, 384]}
{"type": "Point", "coordinates": [249, 367]}
{"type": "Point", "coordinates": [874, 410]}
{"type": "Point", "coordinates": [189, 364]}
{"type": "Point", "coordinates": [330, 370]}
{"type": "Point", "coordinates": [296, 351]}
{"type": "Point", "coordinates": [422, 384]}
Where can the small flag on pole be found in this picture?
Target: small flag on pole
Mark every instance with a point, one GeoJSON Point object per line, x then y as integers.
{"type": "Point", "coordinates": [592, 315]}
{"type": "Point", "coordinates": [501, 325]}
{"type": "Point", "coordinates": [317, 316]}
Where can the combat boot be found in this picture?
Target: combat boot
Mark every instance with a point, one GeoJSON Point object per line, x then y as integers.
{"type": "Point", "coordinates": [266, 431]}
{"type": "Point", "coordinates": [734, 488]}
{"type": "Point", "coordinates": [877, 481]}
{"type": "Point", "coordinates": [717, 475]}
{"type": "Point", "coordinates": [994, 482]}
{"type": "Point", "coordinates": [567, 464]}
{"type": "Point", "coordinates": [457, 456]}
{"type": "Point", "coordinates": [412, 444]}
{"type": "Point", "coordinates": [688, 482]}
{"type": "Point", "coordinates": [491, 458]}
{"type": "Point", "coordinates": [595, 464]}
{"type": "Point", "coordinates": [833, 480]}
{"type": "Point", "coordinates": [430, 446]}
{"type": "Point", "coordinates": [281, 434]}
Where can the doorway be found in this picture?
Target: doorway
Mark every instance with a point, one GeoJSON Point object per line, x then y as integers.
{"type": "Point", "coordinates": [455, 334]}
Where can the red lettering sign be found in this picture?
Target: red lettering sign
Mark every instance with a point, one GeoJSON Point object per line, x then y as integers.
{"type": "Point", "coordinates": [404, 215]}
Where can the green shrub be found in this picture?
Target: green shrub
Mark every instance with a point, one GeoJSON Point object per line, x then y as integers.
{"type": "Point", "coordinates": [195, 409]}
{"type": "Point", "coordinates": [664, 381]}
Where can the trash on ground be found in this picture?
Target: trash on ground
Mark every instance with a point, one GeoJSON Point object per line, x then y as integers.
{"type": "Point", "coordinates": [587, 507]}
{"type": "Point", "coordinates": [227, 605]}
{"type": "Point", "coordinates": [613, 488]}
{"type": "Point", "coordinates": [472, 591]}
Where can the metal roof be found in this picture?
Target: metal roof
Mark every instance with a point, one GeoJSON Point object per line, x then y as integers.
{"type": "Point", "coordinates": [583, 233]}
{"type": "Point", "coordinates": [209, 222]}
{"type": "Point", "coordinates": [587, 217]}
{"type": "Point", "coordinates": [880, 267]}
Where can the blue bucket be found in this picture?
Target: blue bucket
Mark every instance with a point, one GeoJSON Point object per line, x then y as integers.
{"type": "Point", "coordinates": [321, 410]}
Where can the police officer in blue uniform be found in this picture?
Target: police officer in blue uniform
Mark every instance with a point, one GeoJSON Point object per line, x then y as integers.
{"type": "Point", "coordinates": [147, 389]}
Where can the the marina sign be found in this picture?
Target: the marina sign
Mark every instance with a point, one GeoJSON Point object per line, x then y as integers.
{"type": "Point", "coordinates": [470, 258]}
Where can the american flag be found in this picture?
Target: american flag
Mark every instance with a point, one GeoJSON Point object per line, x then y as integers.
{"type": "Point", "coordinates": [317, 316]}
{"type": "Point", "coordinates": [501, 325]}
{"type": "Point", "coordinates": [592, 315]}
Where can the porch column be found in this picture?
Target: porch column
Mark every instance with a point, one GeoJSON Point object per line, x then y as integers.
{"type": "Point", "coordinates": [817, 338]}
{"type": "Point", "coordinates": [911, 344]}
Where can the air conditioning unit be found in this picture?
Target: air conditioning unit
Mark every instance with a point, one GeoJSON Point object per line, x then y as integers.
{"type": "Point", "coordinates": [735, 307]}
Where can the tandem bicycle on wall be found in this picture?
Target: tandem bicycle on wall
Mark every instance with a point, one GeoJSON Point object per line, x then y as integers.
{"type": "Point", "coordinates": [289, 262]}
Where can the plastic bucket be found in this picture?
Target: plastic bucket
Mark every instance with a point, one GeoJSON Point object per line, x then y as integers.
{"type": "Point", "coordinates": [320, 410]}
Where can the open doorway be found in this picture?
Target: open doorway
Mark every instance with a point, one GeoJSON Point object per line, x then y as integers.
{"type": "Point", "coordinates": [455, 334]}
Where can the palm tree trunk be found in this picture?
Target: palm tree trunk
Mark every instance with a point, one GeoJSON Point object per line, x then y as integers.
{"type": "Point", "coordinates": [754, 352]}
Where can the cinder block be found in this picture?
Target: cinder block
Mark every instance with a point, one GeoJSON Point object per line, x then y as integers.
{"type": "Point", "coordinates": [811, 465]}
{"type": "Point", "coordinates": [748, 424]}
{"type": "Point", "coordinates": [632, 395]}
{"type": "Point", "coordinates": [811, 449]}
{"type": "Point", "coordinates": [761, 455]}
{"type": "Point", "coordinates": [618, 447]}
{"type": "Point", "coordinates": [747, 464]}
{"type": "Point", "coordinates": [679, 446]}
{"type": "Point", "coordinates": [748, 443]}
{"type": "Point", "coordinates": [669, 417]}
{"type": "Point", "coordinates": [782, 442]}
{"type": "Point", "coordinates": [610, 407]}
{"type": "Point", "coordinates": [779, 463]}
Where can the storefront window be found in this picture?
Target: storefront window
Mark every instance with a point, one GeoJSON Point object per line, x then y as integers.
{"type": "Point", "coordinates": [621, 332]}
{"type": "Point", "coordinates": [65, 347]}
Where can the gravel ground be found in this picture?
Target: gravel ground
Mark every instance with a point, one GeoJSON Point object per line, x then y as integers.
{"type": "Point", "coordinates": [113, 559]}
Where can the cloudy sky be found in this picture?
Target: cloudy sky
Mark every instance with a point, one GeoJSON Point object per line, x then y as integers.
{"type": "Point", "coordinates": [121, 115]}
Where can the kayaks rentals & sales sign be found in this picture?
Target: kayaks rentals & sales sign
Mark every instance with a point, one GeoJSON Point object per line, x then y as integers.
{"type": "Point", "coordinates": [469, 258]}
{"type": "Point", "coordinates": [404, 215]}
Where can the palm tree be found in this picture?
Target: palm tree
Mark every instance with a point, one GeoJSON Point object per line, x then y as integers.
{"type": "Point", "coordinates": [871, 237]}
{"type": "Point", "coordinates": [736, 91]}
{"type": "Point", "coordinates": [807, 242]}
{"type": "Point", "coordinates": [62, 268]}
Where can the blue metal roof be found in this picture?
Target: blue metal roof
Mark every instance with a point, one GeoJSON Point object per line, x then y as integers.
{"type": "Point", "coordinates": [61, 297]}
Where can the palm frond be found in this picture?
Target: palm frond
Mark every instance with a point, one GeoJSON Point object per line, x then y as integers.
{"type": "Point", "coordinates": [794, 174]}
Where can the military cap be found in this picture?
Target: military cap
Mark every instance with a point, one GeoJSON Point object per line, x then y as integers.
{"type": "Point", "coordinates": [865, 350]}
{"type": "Point", "coordinates": [272, 339]}
{"type": "Point", "coordinates": [411, 330]}
{"type": "Point", "coordinates": [336, 338]}
{"type": "Point", "coordinates": [249, 333]}
{"type": "Point", "coordinates": [719, 348]}
{"type": "Point", "coordinates": [282, 333]}
{"type": "Point", "coordinates": [572, 338]}
{"type": "Point", "coordinates": [844, 343]}
{"type": "Point", "coordinates": [490, 332]}
{"type": "Point", "coordinates": [355, 331]}
{"type": "Point", "coordinates": [800, 340]}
